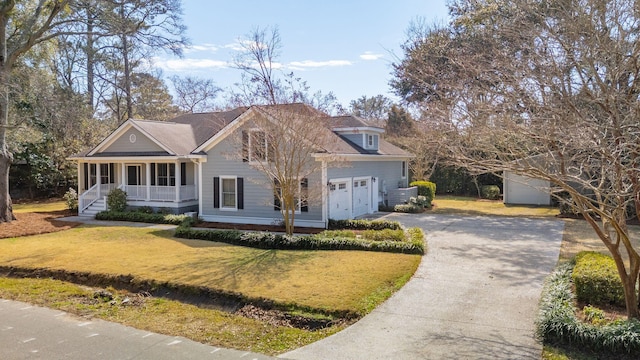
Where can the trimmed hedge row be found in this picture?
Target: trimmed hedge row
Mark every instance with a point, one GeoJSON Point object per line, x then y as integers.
{"type": "Point", "coordinates": [596, 279]}
{"type": "Point", "coordinates": [557, 321]}
{"type": "Point", "coordinates": [363, 225]}
{"type": "Point", "coordinates": [144, 217]}
{"type": "Point", "coordinates": [425, 188]}
{"type": "Point", "coordinates": [265, 240]}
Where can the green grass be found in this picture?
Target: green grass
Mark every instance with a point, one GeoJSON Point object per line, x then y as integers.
{"type": "Point", "coordinates": [474, 206]}
{"type": "Point", "coordinates": [164, 316]}
{"type": "Point", "coordinates": [326, 280]}
{"type": "Point", "coordinates": [40, 206]}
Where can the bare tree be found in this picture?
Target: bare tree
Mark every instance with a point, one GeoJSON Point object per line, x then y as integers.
{"type": "Point", "coordinates": [193, 94]}
{"type": "Point", "coordinates": [549, 90]}
{"type": "Point", "coordinates": [291, 134]}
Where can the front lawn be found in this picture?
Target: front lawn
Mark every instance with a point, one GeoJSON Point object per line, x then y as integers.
{"type": "Point", "coordinates": [325, 280]}
{"type": "Point", "coordinates": [474, 206]}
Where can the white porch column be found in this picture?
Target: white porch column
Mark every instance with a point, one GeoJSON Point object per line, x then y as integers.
{"type": "Point", "coordinates": [123, 176]}
{"type": "Point", "coordinates": [148, 179]}
{"type": "Point", "coordinates": [98, 179]}
{"type": "Point", "coordinates": [199, 192]}
{"type": "Point", "coordinates": [196, 184]}
{"type": "Point", "coordinates": [178, 175]}
{"type": "Point", "coordinates": [80, 179]}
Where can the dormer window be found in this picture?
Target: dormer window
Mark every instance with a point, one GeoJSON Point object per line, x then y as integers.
{"type": "Point", "coordinates": [371, 141]}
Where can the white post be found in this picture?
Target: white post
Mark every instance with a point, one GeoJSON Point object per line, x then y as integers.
{"type": "Point", "coordinates": [199, 187]}
{"type": "Point", "coordinates": [98, 179]}
{"type": "Point", "coordinates": [148, 179]}
{"type": "Point", "coordinates": [178, 177]}
{"type": "Point", "coordinates": [123, 176]}
{"type": "Point", "coordinates": [195, 180]}
{"type": "Point", "coordinates": [80, 179]}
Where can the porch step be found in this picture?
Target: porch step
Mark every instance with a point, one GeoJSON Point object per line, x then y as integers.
{"type": "Point", "coordinates": [95, 208]}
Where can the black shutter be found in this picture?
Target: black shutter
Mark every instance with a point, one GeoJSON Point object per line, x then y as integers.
{"type": "Point", "coordinates": [245, 146]}
{"type": "Point", "coordinates": [216, 192]}
{"type": "Point", "coordinates": [86, 176]}
{"type": "Point", "coordinates": [304, 195]}
{"type": "Point", "coordinates": [276, 192]}
{"type": "Point", "coordinates": [153, 174]}
{"type": "Point", "coordinates": [112, 173]}
{"type": "Point", "coordinates": [240, 190]}
{"type": "Point", "coordinates": [183, 173]}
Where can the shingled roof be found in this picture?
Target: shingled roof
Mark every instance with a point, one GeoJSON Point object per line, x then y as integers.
{"type": "Point", "coordinates": [185, 133]}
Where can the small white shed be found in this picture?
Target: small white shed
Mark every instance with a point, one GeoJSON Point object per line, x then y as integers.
{"type": "Point", "coordinates": [525, 190]}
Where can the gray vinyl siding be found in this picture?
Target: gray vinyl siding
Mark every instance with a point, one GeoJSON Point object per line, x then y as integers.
{"type": "Point", "coordinates": [354, 138]}
{"type": "Point", "coordinates": [142, 144]}
{"type": "Point", "coordinates": [258, 196]}
{"type": "Point", "coordinates": [389, 173]}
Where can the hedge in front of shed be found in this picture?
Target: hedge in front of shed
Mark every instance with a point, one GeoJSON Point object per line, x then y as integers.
{"type": "Point", "coordinates": [426, 189]}
{"type": "Point", "coordinates": [596, 279]}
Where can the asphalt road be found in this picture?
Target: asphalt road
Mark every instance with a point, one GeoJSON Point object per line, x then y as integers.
{"type": "Point", "coordinates": [31, 332]}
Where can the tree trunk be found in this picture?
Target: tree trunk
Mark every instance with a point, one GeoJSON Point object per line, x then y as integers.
{"type": "Point", "coordinates": [6, 208]}
{"type": "Point", "coordinates": [90, 51]}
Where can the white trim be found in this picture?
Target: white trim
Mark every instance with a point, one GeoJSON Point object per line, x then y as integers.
{"type": "Point", "coordinates": [362, 157]}
{"type": "Point", "coordinates": [260, 220]}
{"type": "Point", "coordinates": [97, 159]}
{"type": "Point", "coordinates": [116, 134]}
{"type": "Point", "coordinates": [221, 198]}
{"type": "Point", "coordinates": [359, 129]}
{"type": "Point", "coordinates": [200, 204]}
{"type": "Point", "coordinates": [325, 194]}
{"type": "Point", "coordinates": [167, 204]}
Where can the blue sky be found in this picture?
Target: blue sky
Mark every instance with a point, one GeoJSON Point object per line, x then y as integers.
{"type": "Point", "coordinates": [342, 46]}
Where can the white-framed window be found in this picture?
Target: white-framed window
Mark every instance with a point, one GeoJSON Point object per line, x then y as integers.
{"type": "Point", "coordinates": [370, 141]}
{"type": "Point", "coordinates": [403, 171]}
{"type": "Point", "coordinates": [301, 199]}
{"type": "Point", "coordinates": [228, 193]}
{"type": "Point", "coordinates": [257, 145]}
{"type": "Point", "coordinates": [166, 174]}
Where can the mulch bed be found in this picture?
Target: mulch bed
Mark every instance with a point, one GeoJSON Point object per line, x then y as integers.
{"type": "Point", "coordinates": [246, 227]}
{"type": "Point", "coordinates": [36, 223]}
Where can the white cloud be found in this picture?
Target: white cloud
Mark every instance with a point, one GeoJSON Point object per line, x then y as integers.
{"type": "Point", "coordinates": [201, 47]}
{"type": "Point", "coordinates": [190, 64]}
{"type": "Point", "coordinates": [301, 65]}
{"type": "Point", "coordinates": [368, 55]}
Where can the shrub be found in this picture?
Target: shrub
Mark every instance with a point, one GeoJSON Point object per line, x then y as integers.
{"type": "Point", "coordinates": [426, 189]}
{"type": "Point", "coordinates": [264, 240]}
{"type": "Point", "coordinates": [416, 237]}
{"type": "Point", "coordinates": [363, 225]}
{"type": "Point", "coordinates": [383, 235]}
{"type": "Point", "coordinates": [145, 218]}
{"type": "Point", "coordinates": [408, 208]}
{"type": "Point", "coordinates": [71, 199]}
{"type": "Point", "coordinates": [557, 321]}
{"type": "Point", "coordinates": [594, 315]}
{"type": "Point", "coordinates": [144, 209]}
{"type": "Point", "coordinates": [596, 279]}
{"type": "Point", "coordinates": [117, 200]}
{"type": "Point", "coordinates": [338, 233]}
{"type": "Point", "coordinates": [491, 192]}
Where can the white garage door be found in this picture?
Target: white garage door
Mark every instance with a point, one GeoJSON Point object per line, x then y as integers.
{"type": "Point", "coordinates": [527, 191]}
{"type": "Point", "coordinates": [360, 196]}
{"type": "Point", "coordinates": [339, 200]}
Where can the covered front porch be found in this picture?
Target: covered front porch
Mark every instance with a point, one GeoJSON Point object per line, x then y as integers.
{"type": "Point", "coordinates": [155, 183]}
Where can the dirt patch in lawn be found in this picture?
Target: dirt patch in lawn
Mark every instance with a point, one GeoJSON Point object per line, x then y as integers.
{"type": "Point", "coordinates": [33, 223]}
{"type": "Point", "coordinates": [248, 227]}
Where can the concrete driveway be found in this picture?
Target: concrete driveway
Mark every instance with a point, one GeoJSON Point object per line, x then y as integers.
{"type": "Point", "coordinates": [474, 295]}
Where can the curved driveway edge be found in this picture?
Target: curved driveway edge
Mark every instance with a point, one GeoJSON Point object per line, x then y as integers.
{"type": "Point", "coordinates": [474, 296]}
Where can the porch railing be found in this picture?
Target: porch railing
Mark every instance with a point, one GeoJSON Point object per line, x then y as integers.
{"type": "Point", "coordinates": [160, 193]}
{"type": "Point", "coordinates": [92, 195]}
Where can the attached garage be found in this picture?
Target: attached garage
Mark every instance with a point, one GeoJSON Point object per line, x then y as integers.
{"type": "Point", "coordinates": [525, 190]}
{"type": "Point", "coordinates": [352, 197]}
